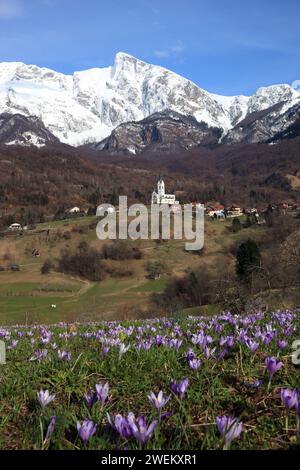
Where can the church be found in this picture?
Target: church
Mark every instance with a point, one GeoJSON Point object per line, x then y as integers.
{"type": "Point", "coordinates": [160, 197]}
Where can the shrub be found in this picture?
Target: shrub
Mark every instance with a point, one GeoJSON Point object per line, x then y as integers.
{"type": "Point", "coordinates": [15, 267]}
{"type": "Point", "coordinates": [194, 289]}
{"type": "Point", "coordinates": [236, 225]}
{"type": "Point", "coordinates": [86, 262]}
{"type": "Point", "coordinates": [120, 271]}
{"type": "Point", "coordinates": [46, 268]}
{"type": "Point", "coordinates": [155, 269]}
{"type": "Point", "coordinates": [120, 250]}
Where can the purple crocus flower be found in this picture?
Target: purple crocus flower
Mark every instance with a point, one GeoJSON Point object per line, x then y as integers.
{"type": "Point", "coordinates": [289, 398]}
{"type": "Point", "coordinates": [145, 345]}
{"type": "Point", "coordinates": [230, 341]}
{"type": "Point", "coordinates": [90, 398]}
{"type": "Point", "coordinates": [39, 354]}
{"type": "Point", "coordinates": [46, 339]}
{"type": "Point", "coordinates": [229, 428]}
{"type": "Point", "coordinates": [195, 363]}
{"type": "Point", "coordinates": [179, 388]}
{"type": "Point", "coordinates": [256, 384]}
{"type": "Point", "coordinates": [165, 415]}
{"type": "Point", "coordinates": [102, 392]}
{"type": "Point", "coordinates": [105, 350]}
{"type": "Point", "coordinates": [209, 352]}
{"type": "Point", "coordinates": [159, 340]}
{"type": "Point", "coordinates": [86, 430]}
{"type": "Point", "coordinates": [158, 401]}
{"type": "Point", "coordinates": [120, 425]}
{"type": "Point", "coordinates": [44, 397]}
{"type": "Point", "coordinates": [252, 345]}
{"type": "Point", "coordinates": [175, 343]}
{"type": "Point", "coordinates": [281, 344]}
{"type": "Point", "coordinates": [190, 354]}
{"type": "Point", "coordinates": [139, 428]}
{"type": "Point", "coordinates": [272, 365]}
{"type": "Point", "coordinates": [51, 427]}
{"type": "Point", "coordinates": [64, 355]}
{"type": "Point", "coordinates": [222, 354]}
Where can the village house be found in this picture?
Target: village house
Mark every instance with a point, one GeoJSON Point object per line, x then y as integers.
{"type": "Point", "coordinates": [160, 196]}
{"type": "Point", "coordinates": [74, 210]}
{"type": "Point", "coordinates": [214, 210]}
{"type": "Point", "coordinates": [15, 227]}
{"type": "Point", "coordinates": [220, 215]}
{"type": "Point", "coordinates": [235, 211]}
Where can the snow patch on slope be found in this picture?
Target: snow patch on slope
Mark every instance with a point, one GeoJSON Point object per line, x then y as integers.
{"type": "Point", "coordinates": [28, 139]}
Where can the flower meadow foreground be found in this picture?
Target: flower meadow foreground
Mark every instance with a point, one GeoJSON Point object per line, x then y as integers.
{"type": "Point", "coordinates": [225, 382]}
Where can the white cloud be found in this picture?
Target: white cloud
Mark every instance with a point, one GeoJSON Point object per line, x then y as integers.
{"type": "Point", "coordinates": [173, 51]}
{"type": "Point", "coordinates": [10, 9]}
{"type": "Point", "coordinates": [162, 54]}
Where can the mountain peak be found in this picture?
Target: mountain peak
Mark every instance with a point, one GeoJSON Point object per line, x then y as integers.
{"type": "Point", "coordinates": [125, 56]}
{"type": "Point", "coordinates": [126, 62]}
{"type": "Point", "coordinates": [88, 105]}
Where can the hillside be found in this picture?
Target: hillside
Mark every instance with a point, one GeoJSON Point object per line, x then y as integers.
{"type": "Point", "coordinates": [126, 290]}
{"type": "Point", "coordinates": [44, 181]}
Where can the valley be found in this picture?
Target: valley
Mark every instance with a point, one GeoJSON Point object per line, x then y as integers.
{"type": "Point", "coordinates": [27, 296]}
{"type": "Point", "coordinates": [149, 232]}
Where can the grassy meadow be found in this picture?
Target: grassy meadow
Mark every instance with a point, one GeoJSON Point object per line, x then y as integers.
{"type": "Point", "coordinates": [27, 296]}
{"type": "Point", "coordinates": [218, 365]}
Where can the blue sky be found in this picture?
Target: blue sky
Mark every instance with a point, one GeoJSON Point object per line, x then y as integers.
{"type": "Point", "coordinates": [225, 46]}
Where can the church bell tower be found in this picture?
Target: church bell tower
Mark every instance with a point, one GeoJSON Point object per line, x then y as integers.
{"type": "Point", "coordinates": [161, 187]}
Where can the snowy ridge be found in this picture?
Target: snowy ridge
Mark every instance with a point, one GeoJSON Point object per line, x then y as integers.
{"type": "Point", "coordinates": [88, 105]}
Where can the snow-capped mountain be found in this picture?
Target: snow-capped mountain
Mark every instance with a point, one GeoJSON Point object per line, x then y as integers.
{"type": "Point", "coordinates": [89, 105]}
{"type": "Point", "coordinates": [266, 125]}
{"type": "Point", "coordinates": [16, 129]}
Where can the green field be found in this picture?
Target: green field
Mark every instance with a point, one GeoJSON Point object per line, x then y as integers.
{"type": "Point", "coordinates": [228, 380]}
{"type": "Point", "coordinates": [27, 296]}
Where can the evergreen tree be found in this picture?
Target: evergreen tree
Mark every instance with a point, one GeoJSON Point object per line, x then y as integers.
{"type": "Point", "coordinates": [114, 198]}
{"type": "Point", "coordinates": [248, 260]}
{"type": "Point", "coordinates": [95, 197]}
{"type": "Point", "coordinates": [92, 210]}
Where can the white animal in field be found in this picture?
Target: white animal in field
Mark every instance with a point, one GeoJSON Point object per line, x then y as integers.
{"type": "Point", "coordinates": [53, 306]}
